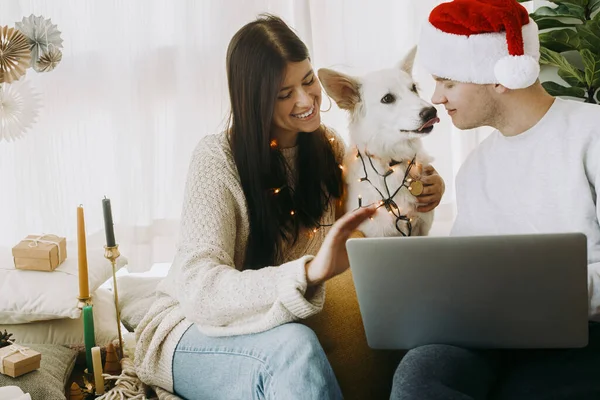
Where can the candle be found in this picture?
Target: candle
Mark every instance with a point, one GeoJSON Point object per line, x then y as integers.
{"type": "Point", "coordinates": [88, 336]}
{"type": "Point", "coordinates": [84, 290]}
{"type": "Point", "coordinates": [108, 223]}
{"type": "Point", "coordinates": [98, 378]}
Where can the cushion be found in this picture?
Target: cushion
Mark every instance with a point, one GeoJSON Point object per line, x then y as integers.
{"type": "Point", "coordinates": [67, 331]}
{"type": "Point", "coordinates": [49, 381]}
{"type": "Point", "coordinates": [29, 296]}
{"type": "Point", "coordinates": [136, 295]}
{"type": "Point", "coordinates": [137, 292]}
{"type": "Point", "coordinates": [363, 373]}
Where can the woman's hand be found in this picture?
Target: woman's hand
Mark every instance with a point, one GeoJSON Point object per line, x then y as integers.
{"type": "Point", "coordinates": [332, 258]}
{"type": "Point", "coordinates": [433, 189]}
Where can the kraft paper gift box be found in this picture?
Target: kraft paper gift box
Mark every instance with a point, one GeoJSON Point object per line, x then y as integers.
{"type": "Point", "coordinates": [40, 252]}
{"type": "Point", "coordinates": [18, 360]}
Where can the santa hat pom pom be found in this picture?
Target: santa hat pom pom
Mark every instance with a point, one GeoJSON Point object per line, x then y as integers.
{"type": "Point", "coordinates": [517, 72]}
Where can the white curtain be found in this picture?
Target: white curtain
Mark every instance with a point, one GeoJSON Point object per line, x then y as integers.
{"type": "Point", "coordinates": [141, 81]}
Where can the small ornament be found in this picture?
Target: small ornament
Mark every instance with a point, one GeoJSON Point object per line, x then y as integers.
{"type": "Point", "coordinates": [48, 61]}
{"type": "Point", "coordinates": [15, 56]}
{"type": "Point", "coordinates": [416, 188]}
{"type": "Point", "coordinates": [112, 366]}
{"type": "Point", "coordinates": [5, 339]}
{"type": "Point", "coordinates": [75, 392]}
{"type": "Point", "coordinates": [42, 36]}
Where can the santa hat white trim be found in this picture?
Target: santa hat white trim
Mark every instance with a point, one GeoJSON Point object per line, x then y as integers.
{"type": "Point", "coordinates": [475, 58]}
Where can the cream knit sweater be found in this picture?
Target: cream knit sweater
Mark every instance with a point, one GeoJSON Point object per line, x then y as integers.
{"type": "Point", "coordinates": [205, 286]}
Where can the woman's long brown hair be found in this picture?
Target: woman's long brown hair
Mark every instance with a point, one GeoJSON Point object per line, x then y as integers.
{"type": "Point", "coordinates": [256, 60]}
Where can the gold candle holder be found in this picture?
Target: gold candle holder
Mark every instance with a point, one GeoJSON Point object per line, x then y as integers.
{"type": "Point", "coordinates": [84, 301]}
{"type": "Point", "coordinates": [112, 253]}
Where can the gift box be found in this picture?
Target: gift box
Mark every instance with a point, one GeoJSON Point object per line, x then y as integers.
{"type": "Point", "coordinates": [16, 360]}
{"type": "Point", "coordinates": [40, 252]}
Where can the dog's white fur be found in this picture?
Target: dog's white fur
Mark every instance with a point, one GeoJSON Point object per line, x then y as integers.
{"type": "Point", "coordinates": [383, 131]}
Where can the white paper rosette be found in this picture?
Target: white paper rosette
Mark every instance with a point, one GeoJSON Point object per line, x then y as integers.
{"type": "Point", "coordinates": [19, 107]}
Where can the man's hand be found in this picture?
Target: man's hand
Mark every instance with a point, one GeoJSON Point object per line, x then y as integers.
{"type": "Point", "coordinates": [433, 188]}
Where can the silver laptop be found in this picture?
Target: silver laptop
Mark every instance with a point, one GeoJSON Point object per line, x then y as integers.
{"type": "Point", "coordinates": [516, 291]}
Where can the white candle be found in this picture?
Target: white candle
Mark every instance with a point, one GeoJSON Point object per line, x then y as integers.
{"type": "Point", "coordinates": [97, 363]}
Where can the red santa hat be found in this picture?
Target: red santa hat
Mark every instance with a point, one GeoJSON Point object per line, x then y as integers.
{"type": "Point", "coordinates": [481, 41]}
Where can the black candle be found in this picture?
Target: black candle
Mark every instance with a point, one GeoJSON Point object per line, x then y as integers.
{"type": "Point", "coordinates": [108, 223]}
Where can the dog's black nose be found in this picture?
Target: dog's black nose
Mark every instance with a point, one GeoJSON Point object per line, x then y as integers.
{"type": "Point", "coordinates": [428, 114]}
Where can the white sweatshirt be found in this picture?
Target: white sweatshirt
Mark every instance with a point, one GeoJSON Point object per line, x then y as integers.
{"type": "Point", "coordinates": [544, 180]}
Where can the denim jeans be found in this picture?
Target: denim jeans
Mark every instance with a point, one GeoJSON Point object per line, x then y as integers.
{"type": "Point", "coordinates": [286, 362]}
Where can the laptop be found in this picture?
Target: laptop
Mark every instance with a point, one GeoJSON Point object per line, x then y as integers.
{"type": "Point", "coordinates": [509, 291]}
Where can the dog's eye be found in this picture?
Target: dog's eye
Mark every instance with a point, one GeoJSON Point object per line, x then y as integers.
{"type": "Point", "coordinates": [388, 99]}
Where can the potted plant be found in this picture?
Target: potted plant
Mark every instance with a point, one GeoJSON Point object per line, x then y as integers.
{"type": "Point", "coordinates": [570, 41]}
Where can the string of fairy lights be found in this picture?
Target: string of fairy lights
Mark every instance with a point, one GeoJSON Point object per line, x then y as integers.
{"type": "Point", "coordinates": [403, 223]}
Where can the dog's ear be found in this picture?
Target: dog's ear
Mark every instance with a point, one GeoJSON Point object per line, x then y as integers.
{"type": "Point", "coordinates": [408, 61]}
{"type": "Point", "coordinates": [343, 89]}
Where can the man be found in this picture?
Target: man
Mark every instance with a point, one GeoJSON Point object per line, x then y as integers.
{"type": "Point", "coordinates": [539, 172]}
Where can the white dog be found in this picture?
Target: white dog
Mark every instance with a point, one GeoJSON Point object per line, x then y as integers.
{"type": "Point", "coordinates": [387, 121]}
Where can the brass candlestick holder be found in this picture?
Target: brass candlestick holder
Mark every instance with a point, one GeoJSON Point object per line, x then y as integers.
{"type": "Point", "coordinates": [84, 301]}
{"type": "Point", "coordinates": [112, 253]}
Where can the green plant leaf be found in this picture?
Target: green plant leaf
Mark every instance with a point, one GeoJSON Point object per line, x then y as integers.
{"type": "Point", "coordinates": [565, 69]}
{"type": "Point", "coordinates": [593, 6]}
{"type": "Point", "coordinates": [555, 89]}
{"type": "Point", "coordinates": [581, 3]}
{"type": "Point", "coordinates": [549, 23]}
{"type": "Point", "coordinates": [589, 35]}
{"type": "Point", "coordinates": [571, 80]}
{"type": "Point", "coordinates": [560, 40]}
{"type": "Point", "coordinates": [565, 10]}
{"type": "Point", "coordinates": [591, 61]}
{"type": "Point", "coordinates": [598, 97]}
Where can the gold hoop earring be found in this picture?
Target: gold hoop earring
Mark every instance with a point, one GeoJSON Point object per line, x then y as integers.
{"type": "Point", "coordinates": [330, 103]}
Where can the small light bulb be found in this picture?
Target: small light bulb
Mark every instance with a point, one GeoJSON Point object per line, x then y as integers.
{"type": "Point", "coordinates": [292, 212]}
{"type": "Point", "coordinates": [276, 190]}
{"type": "Point", "coordinates": [273, 143]}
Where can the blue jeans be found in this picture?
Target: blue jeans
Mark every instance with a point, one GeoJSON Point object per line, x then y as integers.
{"type": "Point", "coordinates": [286, 362]}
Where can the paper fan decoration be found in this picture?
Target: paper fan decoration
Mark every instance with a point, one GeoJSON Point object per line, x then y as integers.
{"type": "Point", "coordinates": [19, 108]}
{"type": "Point", "coordinates": [43, 36]}
{"type": "Point", "coordinates": [48, 61]}
{"type": "Point", "coordinates": [15, 56]}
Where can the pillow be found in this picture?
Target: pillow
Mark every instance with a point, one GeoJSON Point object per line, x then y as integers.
{"type": "Point", "coordinates": [136, 294]}
{"type": "Point", "coordinates": [69, 332]}
{"type": "Point", "coordinates": [29, 296]}
{"type": "Point", "coordinates": [49, 381]}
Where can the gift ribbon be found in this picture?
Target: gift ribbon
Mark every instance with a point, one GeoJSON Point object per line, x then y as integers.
{"type": "Point", "coordinates": [40, 239]}
{"type": "Point", "coordinates": [12, 349]}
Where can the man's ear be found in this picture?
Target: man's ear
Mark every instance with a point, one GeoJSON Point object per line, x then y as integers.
{"type": "Point", "coordinates": [343, 89]}
{"type": "Point", "coordinates": [498, 88]}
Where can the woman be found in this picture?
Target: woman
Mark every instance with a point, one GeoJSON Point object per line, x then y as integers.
{"type": "Point", "coordinates": [260, 198]}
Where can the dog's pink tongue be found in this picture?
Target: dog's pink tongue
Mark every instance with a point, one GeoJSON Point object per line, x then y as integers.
{"type": "Point", "coordinates": [429, 123]}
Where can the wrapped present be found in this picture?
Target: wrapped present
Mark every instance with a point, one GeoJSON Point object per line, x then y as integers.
{"type": "Point", "coordinates": [16, 360]}
{"type": "Point", "coordinates": [40, 252]}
